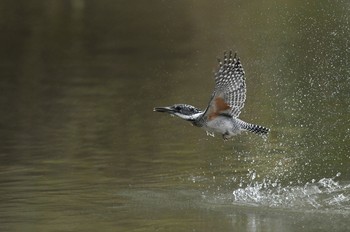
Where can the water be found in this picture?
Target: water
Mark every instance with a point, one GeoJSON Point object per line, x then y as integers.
{"type": "Point", "coordinates": [82, 150]}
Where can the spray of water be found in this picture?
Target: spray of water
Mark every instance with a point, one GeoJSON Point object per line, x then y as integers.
{"type": "Point", "coordinates": [325, 193]}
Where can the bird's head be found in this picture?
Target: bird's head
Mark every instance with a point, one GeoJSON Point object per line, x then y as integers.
{"type": "Point", "coordinates": [184, 111]}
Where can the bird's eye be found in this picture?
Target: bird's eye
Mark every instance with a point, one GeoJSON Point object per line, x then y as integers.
{"type": "Point", "coordinates": [178, 108]}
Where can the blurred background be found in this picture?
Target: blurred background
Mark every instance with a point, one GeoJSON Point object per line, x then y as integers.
{"type": "Point", "coordinates": [82, 150]}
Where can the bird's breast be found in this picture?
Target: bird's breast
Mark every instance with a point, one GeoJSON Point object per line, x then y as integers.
{"type": "Point", "coordinates": [220, 124]}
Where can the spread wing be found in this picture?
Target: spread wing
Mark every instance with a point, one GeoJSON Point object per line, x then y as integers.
{"type": "Point", "coordinates": [230, 89]}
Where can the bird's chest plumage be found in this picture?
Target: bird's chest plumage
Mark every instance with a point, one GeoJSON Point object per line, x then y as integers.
{"type": "Point", "coordinates": [222, 125]}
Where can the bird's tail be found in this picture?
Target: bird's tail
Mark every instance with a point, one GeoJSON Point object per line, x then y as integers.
{"type": "Point", "coordinates": [259, 130]}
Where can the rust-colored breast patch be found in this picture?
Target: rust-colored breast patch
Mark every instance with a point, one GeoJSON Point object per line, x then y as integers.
{"type": "Point", "coordinates": [219, 106]}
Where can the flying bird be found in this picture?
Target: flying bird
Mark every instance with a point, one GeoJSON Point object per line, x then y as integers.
{"type": "Point", "coordinates": [226, 102]}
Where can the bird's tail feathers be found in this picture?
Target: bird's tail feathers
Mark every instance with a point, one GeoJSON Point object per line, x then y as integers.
{"type": "Point", "coordinates": [259, 130]}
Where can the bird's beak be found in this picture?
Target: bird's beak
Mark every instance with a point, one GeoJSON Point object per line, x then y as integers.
{"type": "Point", "coordinates": [166, 109]}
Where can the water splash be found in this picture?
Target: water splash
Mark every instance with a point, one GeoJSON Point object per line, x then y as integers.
{"type": "Point", "coordinates": [325, 193]}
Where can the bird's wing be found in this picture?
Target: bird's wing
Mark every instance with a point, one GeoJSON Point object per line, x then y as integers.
{"type": "Point", "coordinates": [230, 89]}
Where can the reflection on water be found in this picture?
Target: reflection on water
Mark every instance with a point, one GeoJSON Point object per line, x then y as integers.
{"type": "Point", "coordinates": [81, 149]}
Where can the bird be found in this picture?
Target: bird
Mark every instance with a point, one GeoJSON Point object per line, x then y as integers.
{"type": "Point", "coordinates": [221, 116]}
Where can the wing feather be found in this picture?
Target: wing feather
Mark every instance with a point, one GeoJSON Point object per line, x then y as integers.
{"type": "Point", "coordinates": [230, 89]}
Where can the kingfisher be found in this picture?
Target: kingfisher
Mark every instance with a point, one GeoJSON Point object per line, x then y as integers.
{"type": "Point", "coordinates": [226, 102]}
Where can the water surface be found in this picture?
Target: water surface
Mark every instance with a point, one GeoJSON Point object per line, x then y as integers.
{"type": "Point", "coordinates": [82, 150]}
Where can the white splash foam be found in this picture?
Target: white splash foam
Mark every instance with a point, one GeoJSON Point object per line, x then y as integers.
{"type": "Point", "coordinates": [323, 194]}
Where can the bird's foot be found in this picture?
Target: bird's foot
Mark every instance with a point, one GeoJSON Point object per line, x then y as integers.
{"type": "Point", "coordinates": [226, 136]}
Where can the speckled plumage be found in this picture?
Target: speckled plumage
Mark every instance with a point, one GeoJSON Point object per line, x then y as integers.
{"type": "Point", "coordinates": [230, 85]}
